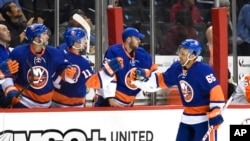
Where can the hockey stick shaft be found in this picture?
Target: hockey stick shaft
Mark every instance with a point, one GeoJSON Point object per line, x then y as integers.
{"type": "Point", "coordinates": [28, 85]}
{"type": "Point", "coordinates": [29, 81]}
{"type": "Point", "coordinates": [211, 128]}
{"type": "Point", "coordinates": [78, 18]}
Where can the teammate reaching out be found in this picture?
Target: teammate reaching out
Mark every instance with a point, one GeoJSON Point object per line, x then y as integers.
{"type": "Point", "coordinates": [201, 94]}
{"type": "Point", "coordinates": [73, 95]}
{"type": "Point", "coordinates": [121, 92]}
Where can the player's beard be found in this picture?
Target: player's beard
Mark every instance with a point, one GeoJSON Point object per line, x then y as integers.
{"type": "Point", "coordinates": [133, 46]}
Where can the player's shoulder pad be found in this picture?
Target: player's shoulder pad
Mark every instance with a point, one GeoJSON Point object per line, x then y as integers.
{"type": "Point", "coordinates": [114, 49]}
{"type": "Point", "coordinates": [20, 48]}
{"type": "Point", "coordinates": [203, 68]}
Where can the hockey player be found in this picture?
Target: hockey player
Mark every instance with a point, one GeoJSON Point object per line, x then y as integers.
{"type": "Point", "coordinates": [200, 91]}
{"type": "Point", "coordinates": [7, 67]}
{"type": "Point", "coordinates": [121, 92]}
{"type": "Point", "coordinates": [242, 91]}
{"type": "Point", "coordinates": [37, 62]}
{"type": "Point", "coordinates": [73, 95]}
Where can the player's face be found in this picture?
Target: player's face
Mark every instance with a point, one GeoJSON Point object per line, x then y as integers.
{"type": "Point", "coordinates": [45, 38]}
{"type": "Point", "coordinates": [183, 55]}
{"type": "Point", "coordinates": [4, 34]}
{"type": "Point", "coordinates": [134, 42]}
{"type": "Point", "coordinates": [83, 44]}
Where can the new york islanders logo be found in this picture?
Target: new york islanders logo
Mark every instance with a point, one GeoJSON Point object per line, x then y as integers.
{"type": "Point", "coordinates": [39, 77]}
{"type": "Point", "coordinates": [187, 91]}
{"type": "Point", "coordinates": [128, 80]}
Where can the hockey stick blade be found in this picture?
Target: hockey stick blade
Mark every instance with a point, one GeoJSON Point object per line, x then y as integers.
{"type": "Point", "coordinates": [78, 18]}
{"type": "Point", "coordinates": [143, 86]}
{"type": "Point", "coordinates": [211, 128]}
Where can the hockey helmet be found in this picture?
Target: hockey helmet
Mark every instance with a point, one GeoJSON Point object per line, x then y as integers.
{"type": "Point", "coordinates": [194, 46]}
{"type": "Point", "coordinates": [35, 30]}
{"type": "Point", "coordinates": [72, 35]}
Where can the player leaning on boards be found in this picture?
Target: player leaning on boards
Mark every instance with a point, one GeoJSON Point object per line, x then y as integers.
{"type": "Point", "coordinates": [121, 92]}
{"type": "Point", "coordinates": [201, 93]}
{"type": "Point", "coordinates": [74, 95]}
{"type": "Point", "coordinates": [7, 67]}
{"type": "Point", "coordinates": [38, 62]}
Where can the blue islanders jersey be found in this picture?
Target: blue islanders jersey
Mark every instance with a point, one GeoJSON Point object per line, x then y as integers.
{"type": "Point", "coordinates": [4, 54]}
{"type": "Point", "coordinates": [66, 94]}
{"type": "Point", "coordinates": [124, 92]}
{"type": "Point", "coordinates": [37, 68]}
{"type": "Point", "coordinates": [198, 87]}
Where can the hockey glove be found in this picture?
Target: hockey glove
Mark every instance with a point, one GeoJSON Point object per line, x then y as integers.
{"type": "Point", "coordinates": [247, 80]}
{"type": "Point", "coordinates": [140, 74]}
{"type": "Point", "coordinates": [71, 72]}
{"type": "Point", "coordinates": [12, 95]}
{"type": "Point", "coordinates": [8, 67]}
{"type": "Point", "coordinates": [113, 66]}
{"type": "Point", "coordinates": [215, 118]}
{"type": "Point", "coordinates": [4, 101]}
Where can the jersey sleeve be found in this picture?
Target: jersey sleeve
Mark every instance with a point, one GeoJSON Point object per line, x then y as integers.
{"type": "Point", "coordinates": [209, 82]}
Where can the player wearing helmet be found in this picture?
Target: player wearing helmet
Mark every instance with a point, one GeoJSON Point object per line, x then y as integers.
{"type": "Point", "coordinates": [37, 62]}
{"type": "Point", "coordinates": [73, 95]}
{"type": "Point", "coordinates": [200, 91]}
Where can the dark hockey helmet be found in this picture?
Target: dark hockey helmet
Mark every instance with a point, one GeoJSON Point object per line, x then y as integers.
{"type": "Point", "coordinates": [194, 46]}
{"type": "Point", "coordinates": [35, 30]}
{"type": "Point", "coordinates": [73, 34]}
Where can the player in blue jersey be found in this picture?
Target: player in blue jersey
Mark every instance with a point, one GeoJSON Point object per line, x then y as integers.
{"type": "Point", "coordinates": [120, 92]}
{"type": "Point", "coordinates": [38, 61]}
{"type": "Point", "coordinates": [7, 67]}
{"type": "Point", "coordinates": [73, 95]}
{"type": "Point", "coordinates": [200, 91]}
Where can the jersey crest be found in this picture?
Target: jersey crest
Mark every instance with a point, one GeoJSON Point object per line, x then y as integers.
{"type": "Point", "coordinates": [187, 91]}
{"type": "Point", "coordinates": [39, 76]}
{"type": "Point", "coordinates": [128, 80]}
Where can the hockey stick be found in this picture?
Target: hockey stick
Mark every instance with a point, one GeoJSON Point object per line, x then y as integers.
{"type": "Point", "coordinates": [211, 128]}
{"type": "Point", "coordinates": [29, 81]}
{"type": "Point", "coordinates": [86, 26]}
{"type": "Point", "coordinates": [28, 85]}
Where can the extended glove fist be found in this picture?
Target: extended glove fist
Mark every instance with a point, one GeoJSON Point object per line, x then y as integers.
{"type": "Point", "coordinates": [8, 67]}
{"type": "Point", "coordinates": [113, 66]}
{"type": "Point", "coordinates": [139, 74]}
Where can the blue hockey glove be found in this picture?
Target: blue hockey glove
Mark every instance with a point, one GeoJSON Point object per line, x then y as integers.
{"type": "Point", "coordinates": [8, 67]}
{"type": "Point", "coordinates": [4, 101]}
{"type": "Point", "coordinates": [215, 118]}
{"type": "Point", "coordinates": [12, 95]}
{"type": "Point", "coordinates": [140, 74]}
{"type": "Point", "coordinates": [113, 66]}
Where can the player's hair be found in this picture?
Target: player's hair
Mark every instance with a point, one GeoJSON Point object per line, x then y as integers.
{"type": "Point", "coordinates": [4, 9]}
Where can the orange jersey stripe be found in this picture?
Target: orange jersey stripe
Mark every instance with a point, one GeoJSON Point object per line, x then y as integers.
{"type": "Point", "coordinates": [58, 97]}
{"type": "Point", "coordinates": [216, 94]}
{"type": "Point", "coordinates": [153, 67]}
{"type": "Point", "coordinates": [196, 110]}
{"type": "Point", "coordinates": [161, 80]}
{"type": "Point", "coordinates": [39, 98]}
{"type": "Point", "coordinates": [123, 97]}
{"type": "Point", "coordinates": [94, 82]}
